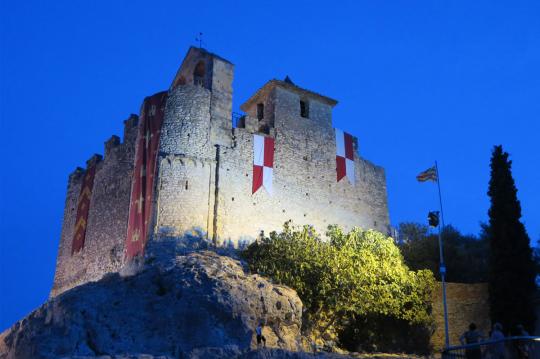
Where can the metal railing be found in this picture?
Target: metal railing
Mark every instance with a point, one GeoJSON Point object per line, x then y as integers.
{"type": "Point", "coordinates": [507, 348]}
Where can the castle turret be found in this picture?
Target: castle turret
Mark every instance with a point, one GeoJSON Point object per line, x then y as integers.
{"type": "Point", "coordinates": [200, 71]}
{"type": "Point", "coordinates": [283, 104]}
{"type": "Point", "coordinates": [197, 124]}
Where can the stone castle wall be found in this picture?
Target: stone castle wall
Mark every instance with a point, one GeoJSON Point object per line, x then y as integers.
{"type": "Point", "coordinates": [467, 303]}
{"type": "Point", "coordinates": [185, 163]}
{"type": "Point", "coordinates": [305, 187]}
{"type": "Point", "coordinates": [107, 218]}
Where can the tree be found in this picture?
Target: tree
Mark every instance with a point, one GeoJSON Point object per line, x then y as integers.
{"type": "Point", "coordinates": [536, 259]}
{"type": "Point", "coordinates": [465, 255]}
{"type": "Point", "coordinates": [511, 267]}
{"type": "Point", "coordinates": [359, 273]}
{"type": "Point", "coordinates": [412, 232]}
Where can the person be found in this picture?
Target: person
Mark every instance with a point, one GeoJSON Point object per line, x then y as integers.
{"type": "Point", "coordinates": [472, 336]}
{"type": "Point", "coordinates": [260, 336]}
{"type": "Point", "coordinates": [521, 345]}
{"type": "Point", "coordinates": [521, 332]}
{"type": "Point", "coordinates": [497, 349]}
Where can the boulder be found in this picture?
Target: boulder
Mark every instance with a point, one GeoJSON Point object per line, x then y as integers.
{"type": "Point", "coordinates": [202, 301]}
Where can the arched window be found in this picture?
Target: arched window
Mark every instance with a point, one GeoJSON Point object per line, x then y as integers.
{"type": "Point", "coordinates": [199, 74]}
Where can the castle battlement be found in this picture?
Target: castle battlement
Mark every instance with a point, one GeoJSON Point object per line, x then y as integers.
{"type": "Point", "coordinates": [183, 170]}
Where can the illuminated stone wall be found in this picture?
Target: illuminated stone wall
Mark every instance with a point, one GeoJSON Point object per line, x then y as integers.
{"type": "Point", "coordinates": [305, 187]}
{"type": "Point", "coordinates": [107, 219]}
{"type": "Point", "coordinates": [467, 303]}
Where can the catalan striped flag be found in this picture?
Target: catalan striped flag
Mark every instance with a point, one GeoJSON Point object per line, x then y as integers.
{"type": "Point", "coordinates": [428, 175]}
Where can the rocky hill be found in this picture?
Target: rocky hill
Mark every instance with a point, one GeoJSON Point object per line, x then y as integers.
{"type": "Point", "coordinates": [203, 305]}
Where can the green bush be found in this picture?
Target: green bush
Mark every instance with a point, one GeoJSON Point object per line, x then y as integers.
{"type": "Point", "coordinates": [350, 275]}
{"type": "Point", "coordinates": [378, 333]}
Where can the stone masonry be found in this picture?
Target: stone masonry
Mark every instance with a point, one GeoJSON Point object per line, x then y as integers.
{"type": "Point", "coordinates": [204, 176]}
{"type": "Point", "coordinates": [467, 303]}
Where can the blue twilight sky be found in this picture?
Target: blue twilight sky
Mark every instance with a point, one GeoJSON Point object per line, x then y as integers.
{"type": "Point", "coordinates": [417, 81]}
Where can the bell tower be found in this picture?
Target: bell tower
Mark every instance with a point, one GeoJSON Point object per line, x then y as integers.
{"type": "Point", "coordinates": [214, 73]}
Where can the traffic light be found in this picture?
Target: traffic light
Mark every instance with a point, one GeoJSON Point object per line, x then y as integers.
{"type": "Point", "coordinates": [433, 218]}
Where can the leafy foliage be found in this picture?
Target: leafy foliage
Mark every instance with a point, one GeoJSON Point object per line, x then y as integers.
{"type": "Point", "coordinates": [512, 268]}
{"type": "Point", "coordinates": [359, 273]}
{"type": "Point", "coordinates": [466, 256]}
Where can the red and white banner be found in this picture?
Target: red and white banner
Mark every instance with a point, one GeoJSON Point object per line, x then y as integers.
{"type": "Point", "coordinates": [344, 156]}
{"type": "Point", "coordinates": [142, 186]}
{"type": "Point", "coordinates": [263, 163]}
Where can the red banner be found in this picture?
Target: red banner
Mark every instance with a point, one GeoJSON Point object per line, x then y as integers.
{"type": "Point", "coordinates": [142, 187]}
{"type": "Point", "coordinates": [83, 206]}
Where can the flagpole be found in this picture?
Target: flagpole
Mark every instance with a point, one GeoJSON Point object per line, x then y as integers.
{"type": "Point", "coordinates": [440, 197]}
{"type": "Point", "coordinates": [442, 266]}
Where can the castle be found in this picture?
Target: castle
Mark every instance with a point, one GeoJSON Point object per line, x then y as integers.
{"type": "Point", "coordinates": [183, 170]}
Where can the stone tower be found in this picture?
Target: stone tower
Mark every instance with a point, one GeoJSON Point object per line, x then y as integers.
{"type": "Point", "coordinates": [204, 171]}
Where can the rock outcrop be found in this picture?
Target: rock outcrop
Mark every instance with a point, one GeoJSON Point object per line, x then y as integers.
{"type": "Point", "coordinates": [203, 304]}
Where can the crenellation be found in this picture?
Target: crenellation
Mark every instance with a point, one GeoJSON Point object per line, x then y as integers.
{"type": "Point", "coordinates": [203, 184]}
{"type": "Point", "coordinates": [94, 160]}
{"type": "Point", "coordinates": [75, 176]}
{"type": "Point", "coordinates": [130, 128]}
{"type": "Point", "coordinates": [110, 144]}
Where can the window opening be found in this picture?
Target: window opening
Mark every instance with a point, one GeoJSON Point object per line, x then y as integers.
{"type": "Point", "coordinates": [198, 74]}
{"type": "Point", "coordinates": [304, 109]}
{"type": "Point", "coordinates": [260, 111]}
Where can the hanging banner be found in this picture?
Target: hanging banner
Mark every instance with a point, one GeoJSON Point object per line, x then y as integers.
{"type": "Point", "coordinates": [263, 163]}
{"type": "Point", "coordinates": [83, 205]}
{"type": "Point", "coordinates": [142, 186]}
{"type": "Point", "coordinates": [344, 156]}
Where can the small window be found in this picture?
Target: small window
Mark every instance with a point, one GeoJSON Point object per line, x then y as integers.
{"type": "Point", "coordinates": [198, 74]}
{"type": "Point", "coordinates": [304, 109]}
{"type": "Point", "coordinates": [260, 111]}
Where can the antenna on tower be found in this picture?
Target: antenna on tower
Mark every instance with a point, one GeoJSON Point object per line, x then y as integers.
{"type": "Point", "coordinates": [198, 38]}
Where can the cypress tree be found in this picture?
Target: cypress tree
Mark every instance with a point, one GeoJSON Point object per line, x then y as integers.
{"type": "Point", "coordinates": [512, 271]}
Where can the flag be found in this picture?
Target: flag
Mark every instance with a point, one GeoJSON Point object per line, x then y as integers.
{"type": "Point", "coordinates": [344, 156]}
{"type": "Point", "coordinates": [263, 163]}
{"type": "Point", "coordinates": [83, 205]}
{"type": "Point", "coordinates": [142, 186]}
{"type": "Point", "coordinates": [428, 175]}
